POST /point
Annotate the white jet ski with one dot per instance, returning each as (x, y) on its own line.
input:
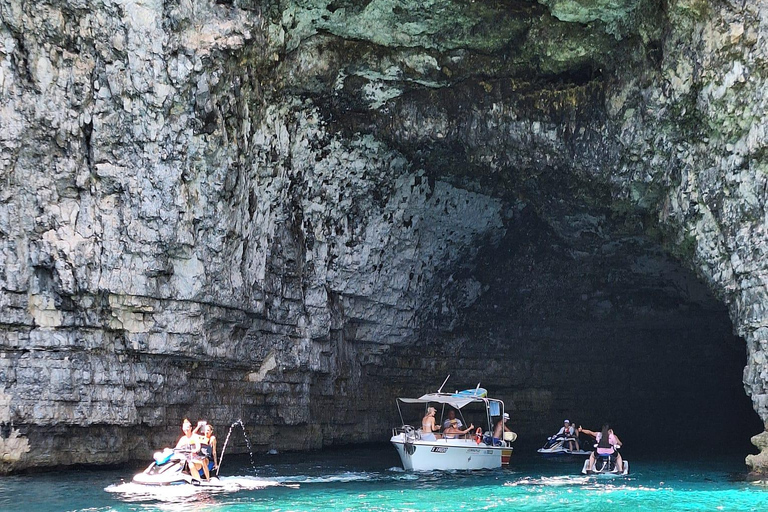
(558, 446)
(171, 467)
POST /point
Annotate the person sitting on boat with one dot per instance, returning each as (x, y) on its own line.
(189, 443)
(453, 431)
(607, 444)
(570, 434)
(208, 448)
(498, 431)
(428, 426)
(450, 419)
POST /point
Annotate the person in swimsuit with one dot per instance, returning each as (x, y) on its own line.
(607, 444)
(454, 431)
(208, 448)
(498, 431)
(428, 426)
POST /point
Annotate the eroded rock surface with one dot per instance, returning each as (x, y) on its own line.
(237, 209)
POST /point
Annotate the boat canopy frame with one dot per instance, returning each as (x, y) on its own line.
(455, 400)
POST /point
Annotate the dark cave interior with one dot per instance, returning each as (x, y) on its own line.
(614, 330)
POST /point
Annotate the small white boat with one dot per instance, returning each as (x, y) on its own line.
(475, 450)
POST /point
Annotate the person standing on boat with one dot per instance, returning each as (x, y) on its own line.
(607, 444)
(451, 418)
(428, 426)
(501, 427)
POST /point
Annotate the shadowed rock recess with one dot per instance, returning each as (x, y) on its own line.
(291, 212)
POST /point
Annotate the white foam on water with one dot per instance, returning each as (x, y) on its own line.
(137, 492)
(346, 476)
(159, 492)
(402, 474)
(610, 488)
(552, 481)
(236, 483)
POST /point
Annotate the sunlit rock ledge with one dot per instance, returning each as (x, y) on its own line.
(270, 211)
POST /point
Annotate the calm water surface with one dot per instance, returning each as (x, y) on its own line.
(370, 479)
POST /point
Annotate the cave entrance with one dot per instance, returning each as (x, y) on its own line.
(607, 330)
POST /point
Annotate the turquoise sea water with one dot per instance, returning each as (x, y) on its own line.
(370, 479)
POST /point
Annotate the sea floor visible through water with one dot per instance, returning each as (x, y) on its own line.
(370, 478)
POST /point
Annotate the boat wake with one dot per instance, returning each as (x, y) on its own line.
(585, 482)
(551, 481)
(133, 491)
(343, 477)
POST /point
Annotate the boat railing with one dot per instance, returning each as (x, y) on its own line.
(408, 430)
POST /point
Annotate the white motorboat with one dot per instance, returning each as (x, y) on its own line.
(475, 450)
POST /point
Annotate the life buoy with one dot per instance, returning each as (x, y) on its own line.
(479, 435)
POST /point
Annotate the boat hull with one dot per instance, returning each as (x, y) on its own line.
(449, 454)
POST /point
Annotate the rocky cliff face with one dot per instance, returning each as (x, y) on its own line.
(288, 212)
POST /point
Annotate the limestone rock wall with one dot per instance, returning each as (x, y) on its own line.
(157, 261)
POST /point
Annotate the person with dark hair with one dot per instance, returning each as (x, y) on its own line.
(208, 448)
(450, 419)
(607, 444)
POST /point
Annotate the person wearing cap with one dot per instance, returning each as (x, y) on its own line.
(450, 418)
(569, 432)
(501, 427)
(428, 426)
(453, 431)
(566, 430)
